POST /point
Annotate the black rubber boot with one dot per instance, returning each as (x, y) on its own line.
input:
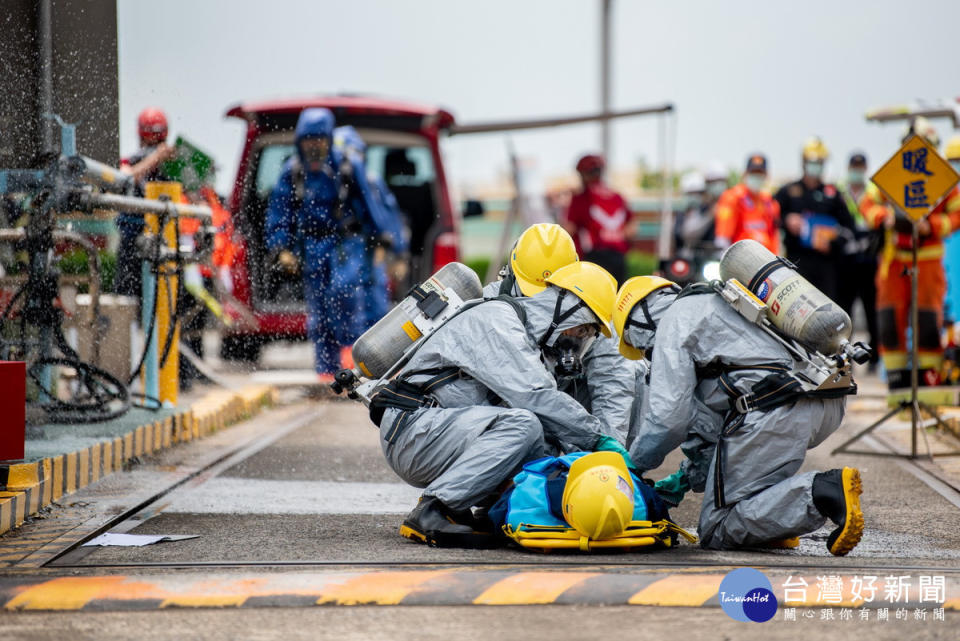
(433, 523)
(836, 494)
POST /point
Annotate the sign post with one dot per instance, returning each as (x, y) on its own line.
(914, 181)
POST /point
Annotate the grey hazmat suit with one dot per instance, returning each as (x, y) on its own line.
(501, 411)
(610, 385)
(757, 498)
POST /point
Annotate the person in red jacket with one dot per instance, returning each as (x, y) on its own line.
(599, 220)
(747, 211)
(893, 278)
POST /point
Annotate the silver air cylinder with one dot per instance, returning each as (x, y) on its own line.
(794, 306)
(384, 344)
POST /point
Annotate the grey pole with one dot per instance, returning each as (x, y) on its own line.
(605, 77)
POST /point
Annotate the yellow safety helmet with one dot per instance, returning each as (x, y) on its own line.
(923, 128)
(598, 496)
(541, 250)
(632, 292)
(592, 284)
(953, 148)
(814, 149)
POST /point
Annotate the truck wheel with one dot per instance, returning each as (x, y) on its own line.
(240, 348)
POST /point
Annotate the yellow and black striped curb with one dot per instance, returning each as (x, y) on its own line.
(414, 587)
(27, 487)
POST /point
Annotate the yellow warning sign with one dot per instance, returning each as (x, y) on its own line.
(916, 178)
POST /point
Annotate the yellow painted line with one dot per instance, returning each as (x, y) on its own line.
(531, 587)
(118, 447)
(22, 475)
(95, 453)
(47, 482)
(84, 467)
(19, 502)
(71, 473)
(138, 441)
(381, 588)
(57, 477)
(67, 593)
(34, 495)
(205, 601)
(679, 590)
(6, 509)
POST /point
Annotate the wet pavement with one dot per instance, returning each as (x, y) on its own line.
(302, 494)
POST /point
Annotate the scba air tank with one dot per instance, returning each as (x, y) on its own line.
(427, 307)
(794, 306)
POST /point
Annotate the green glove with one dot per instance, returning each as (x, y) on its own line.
(672, 488)
(610, 444)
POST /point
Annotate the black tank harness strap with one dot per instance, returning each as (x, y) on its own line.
(764, 272)
(777, 388)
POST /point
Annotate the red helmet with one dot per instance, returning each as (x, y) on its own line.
(590, 162)
(152, 125)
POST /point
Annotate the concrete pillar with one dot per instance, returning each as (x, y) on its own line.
(78, 41)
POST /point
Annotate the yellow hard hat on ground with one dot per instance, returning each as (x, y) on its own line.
(923, 128)
(592, 284)
(953, 149)
(632, 292)
(541, 250)
(598, 496)
(814, 149)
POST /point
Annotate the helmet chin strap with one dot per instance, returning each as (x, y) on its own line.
(559, 318)
(648, 322)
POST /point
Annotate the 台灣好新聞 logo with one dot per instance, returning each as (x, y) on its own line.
(746, 594)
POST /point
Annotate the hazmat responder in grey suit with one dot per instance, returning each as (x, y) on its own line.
(705, 356)
(602, 381)
(475, 402)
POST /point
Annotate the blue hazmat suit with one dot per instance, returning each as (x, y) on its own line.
(320, 216)
(384, 227)
(761, 496)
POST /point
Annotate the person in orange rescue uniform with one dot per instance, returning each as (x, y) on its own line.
(746, 210)
(893, 277)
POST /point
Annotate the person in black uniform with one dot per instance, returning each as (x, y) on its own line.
(816, 221)
(860, 268)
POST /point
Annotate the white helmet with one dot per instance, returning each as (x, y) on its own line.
(693, 183)
(716, 171)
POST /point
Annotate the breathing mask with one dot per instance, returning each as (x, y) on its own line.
(565, 356)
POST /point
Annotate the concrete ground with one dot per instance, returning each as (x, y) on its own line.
(298, 507)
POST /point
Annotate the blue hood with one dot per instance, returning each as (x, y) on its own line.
(315, 122)
(346, 137)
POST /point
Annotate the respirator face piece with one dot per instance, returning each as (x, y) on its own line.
(565, 356)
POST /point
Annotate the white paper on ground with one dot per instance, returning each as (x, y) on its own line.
(135, 540)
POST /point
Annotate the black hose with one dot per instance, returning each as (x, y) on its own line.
(101, 395)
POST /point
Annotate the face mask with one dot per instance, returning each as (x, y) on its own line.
(813, 168)
(694, 201)
(566, 354)
(856, 176)
(715, 189)
(754, 182)
(956, 165)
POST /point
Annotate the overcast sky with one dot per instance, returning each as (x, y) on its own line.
(744, 75)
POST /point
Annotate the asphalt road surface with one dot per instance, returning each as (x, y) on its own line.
(297, 508)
